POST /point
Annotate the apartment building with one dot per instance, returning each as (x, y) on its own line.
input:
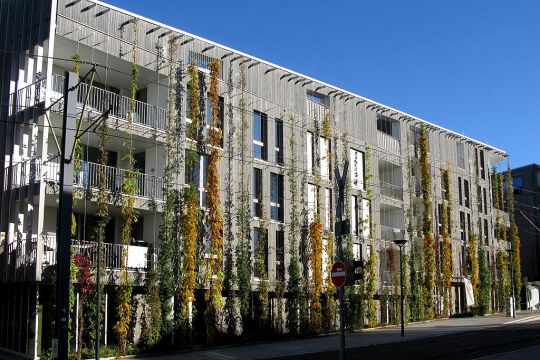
(526, 181)
(40, 40)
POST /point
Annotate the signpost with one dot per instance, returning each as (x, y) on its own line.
(339, 274)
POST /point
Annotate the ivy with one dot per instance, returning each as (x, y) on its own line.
(415, 275)
(262, 313)
(189, 226)
(84, 287)
(124, 290)
(447, 244)
(230, 279)
(243, 244)
(503, 280)
(484, 281)
(429, 252)
(370, 276)
(292, 307)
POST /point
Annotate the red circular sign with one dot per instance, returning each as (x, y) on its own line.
(339, 274)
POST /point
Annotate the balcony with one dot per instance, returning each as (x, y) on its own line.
(316, 111)
(391, 191)
(31, 170)
(388, 143)
(27, 97)
(144, 115)
(137, 256)
(21, 259)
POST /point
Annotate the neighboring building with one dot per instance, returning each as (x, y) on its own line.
(39, 40)
(527, 215)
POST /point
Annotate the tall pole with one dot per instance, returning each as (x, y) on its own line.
(402, 296)
(65, 204)
(340, 180)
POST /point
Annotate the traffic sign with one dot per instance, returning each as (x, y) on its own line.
(339, 274)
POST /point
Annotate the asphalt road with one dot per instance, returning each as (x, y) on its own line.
(516, 341)
(494, 337)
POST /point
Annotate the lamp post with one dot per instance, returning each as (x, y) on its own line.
(401, 243)
(101, 221)
(513, 309)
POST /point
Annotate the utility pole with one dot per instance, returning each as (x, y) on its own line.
(63, 232)
(341, 228)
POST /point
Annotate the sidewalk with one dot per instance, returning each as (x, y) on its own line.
(353, 340)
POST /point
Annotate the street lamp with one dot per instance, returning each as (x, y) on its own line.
(101, 221)
(401, 243)
(513, 309)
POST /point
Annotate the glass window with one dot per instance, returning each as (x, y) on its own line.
(312, 202)
(518, 182)
(467, 193)
(460, 193)
(276, 197)
(309, 152)
(357, 251)
(460, 155)
(257, 192)
(280, 255)
(279, 142)
(384, 124)
(354, 215)
(327, 208)
(258, 234)
(357, 169)
(259, 129)
(324, 150)
(462, 224)
(195, 173)
(366, 225)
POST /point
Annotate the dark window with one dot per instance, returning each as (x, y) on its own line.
(485, 201)
(260, 131)
(460, 149)
(276, 197)
(467, 193)
(279, 142)
(469, 227)
(257, 192)
(280, 255)
(258, 233)
(482, 165)
(518, 182)
(460, 193)
(195, 173)
(486, 232)
(462, 224)
(479, 196)
(439, 218)
(384, 125)
(355, 215)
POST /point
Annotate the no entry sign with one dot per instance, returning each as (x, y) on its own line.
(339, 274)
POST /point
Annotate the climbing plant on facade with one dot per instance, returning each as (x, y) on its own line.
(447, 244)
(484, 281)
(429, 253)
(129, 188)
(292, 306)
(214, 215)
(243, 243)
(229, 276)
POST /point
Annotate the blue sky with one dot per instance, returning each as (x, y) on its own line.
(471, 66)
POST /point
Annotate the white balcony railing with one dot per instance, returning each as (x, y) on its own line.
(137, 256)
(388, 143)
(30, 171)
(28, 96)
(100, 100)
